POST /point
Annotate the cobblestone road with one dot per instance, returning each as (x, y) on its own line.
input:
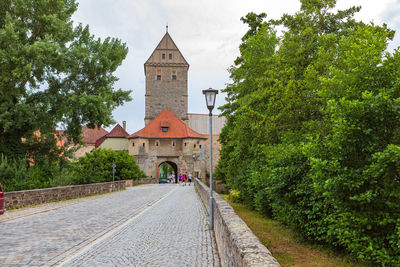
(154, 225)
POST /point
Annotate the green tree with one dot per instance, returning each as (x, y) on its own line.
(96, 167)
(165, 170)
(52, 73)
(312, 134)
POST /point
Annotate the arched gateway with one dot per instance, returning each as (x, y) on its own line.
(173, 166)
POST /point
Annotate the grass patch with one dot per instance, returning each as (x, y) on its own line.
(285, 246)
(138, 184)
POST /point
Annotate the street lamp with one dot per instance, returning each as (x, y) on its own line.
(210, 95)
(194, 162)
(113, 171)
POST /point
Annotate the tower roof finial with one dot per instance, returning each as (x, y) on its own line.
(167, 27)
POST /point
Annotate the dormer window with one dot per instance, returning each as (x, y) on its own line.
(170, 56)
(164, 126)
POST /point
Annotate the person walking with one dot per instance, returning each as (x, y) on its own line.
(184, 179)
(190, 178)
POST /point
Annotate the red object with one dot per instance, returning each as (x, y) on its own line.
(1, 200)
(90, 136)
(175, 128)
(117, 132)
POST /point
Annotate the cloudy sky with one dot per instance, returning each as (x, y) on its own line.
(207, 32)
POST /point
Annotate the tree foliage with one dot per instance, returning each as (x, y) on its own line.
(96, 167)
(52, 73)
(17, 174)
(312, 133)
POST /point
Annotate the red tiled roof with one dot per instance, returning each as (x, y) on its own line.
(176, 128)
(116, 132)
(90, 136)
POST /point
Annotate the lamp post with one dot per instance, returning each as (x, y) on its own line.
(210, 95)
(194, 162)
(113, 171)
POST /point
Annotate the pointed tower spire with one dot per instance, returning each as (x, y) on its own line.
(166, 73)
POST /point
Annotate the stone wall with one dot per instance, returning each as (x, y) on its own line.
(237, 245)
(147, 180)
(31, 197)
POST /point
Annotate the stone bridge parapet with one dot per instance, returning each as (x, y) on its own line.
(237, 245)
(36, 196)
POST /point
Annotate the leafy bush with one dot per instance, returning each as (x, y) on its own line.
(18, 174)
(234, 195)
(96, 167)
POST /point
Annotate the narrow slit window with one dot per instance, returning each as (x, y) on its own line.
(143, 144)
(174, 75)
(158, 75)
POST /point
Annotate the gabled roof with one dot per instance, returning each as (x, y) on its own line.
(176, 128)
(116, 132)
(90, 136)
(166, 46)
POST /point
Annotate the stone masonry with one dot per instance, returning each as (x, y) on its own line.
(237, 245)
(140, 226)
(166, 81)
(31, 197)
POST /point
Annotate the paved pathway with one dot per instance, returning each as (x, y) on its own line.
(154, 225)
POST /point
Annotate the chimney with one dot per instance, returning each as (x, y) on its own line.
(124, 125)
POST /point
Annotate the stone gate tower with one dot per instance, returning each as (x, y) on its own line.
(166, 81)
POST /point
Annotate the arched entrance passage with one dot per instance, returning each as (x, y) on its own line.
(161, 169)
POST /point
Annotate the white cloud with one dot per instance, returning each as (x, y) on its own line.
(207, 32)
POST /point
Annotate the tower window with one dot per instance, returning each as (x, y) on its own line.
(200, 146)
(173, 143)
(170, 56)
(174, 75)
(163, 56)
(156, 143)
(143, 144)
(194, 145)
(159, 75)
(185, 144)
(133, 144)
